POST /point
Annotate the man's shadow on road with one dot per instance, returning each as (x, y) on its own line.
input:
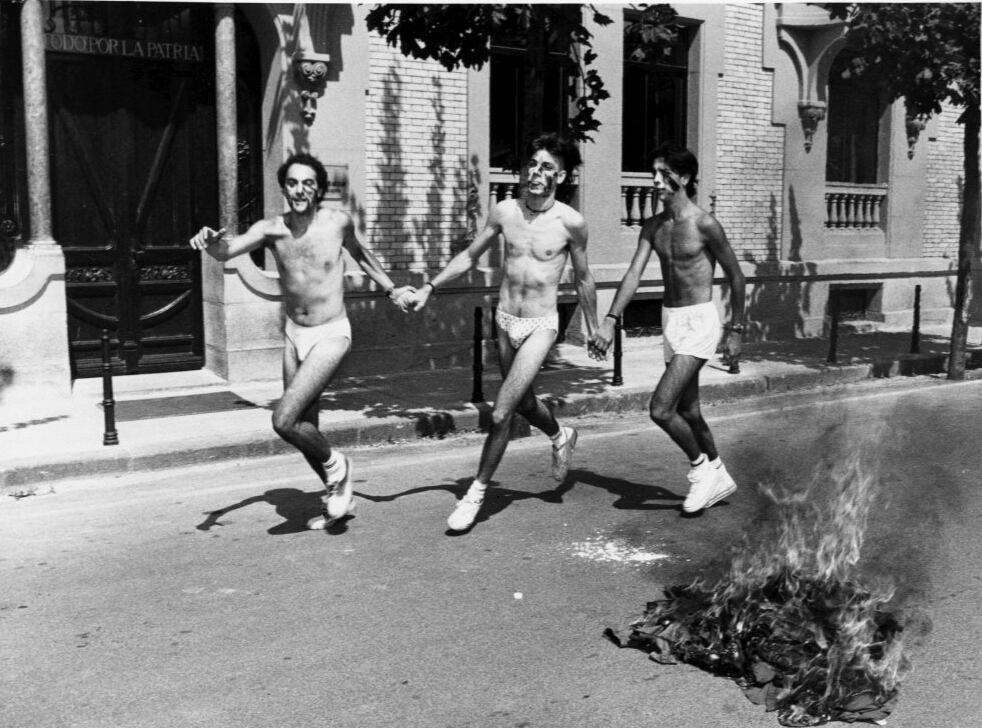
(634, 496)
(294, 506)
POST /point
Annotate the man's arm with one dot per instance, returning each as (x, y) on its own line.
(463, 261)
(369, 263)
(720, 248)
(625, 291)
(221, 248)
(586, 287)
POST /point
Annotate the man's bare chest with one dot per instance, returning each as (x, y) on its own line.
(678, 242)
(316, 248)
(541, 240)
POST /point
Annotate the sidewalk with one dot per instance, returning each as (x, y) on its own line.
(166, 420)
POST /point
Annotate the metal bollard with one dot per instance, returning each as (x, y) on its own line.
(618, 379)
(109, 437)
(915, 334)
(477, 395)
(833, 332)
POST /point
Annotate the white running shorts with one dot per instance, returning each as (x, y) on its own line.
(692, 330)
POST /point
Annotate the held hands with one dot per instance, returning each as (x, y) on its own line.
(205, 237)
(402, 297)
(419, 297)
(599, 343)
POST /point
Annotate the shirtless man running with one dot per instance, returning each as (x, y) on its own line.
(539, 233)
(306, 243)
(689, 242)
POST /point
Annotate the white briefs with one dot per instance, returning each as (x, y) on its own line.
(304, 338)
(693, 330)
(519, 328)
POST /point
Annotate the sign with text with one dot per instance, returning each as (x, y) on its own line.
(124, 47)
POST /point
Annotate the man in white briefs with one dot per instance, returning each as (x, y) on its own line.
(689, 242)
(306, 243)
(539, 234)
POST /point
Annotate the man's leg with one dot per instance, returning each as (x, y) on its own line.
(519, 369)
(680, 372)
(675, 408)
(690, 410)
(723, 483)
(295, 418)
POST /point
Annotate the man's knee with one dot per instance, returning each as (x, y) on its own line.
(284, 423)
(501, 418)
(660, 412)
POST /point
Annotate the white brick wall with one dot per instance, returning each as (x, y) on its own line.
(416, 159)
(749, 148)
(945, 178)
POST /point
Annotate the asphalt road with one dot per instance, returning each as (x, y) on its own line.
(132, 603)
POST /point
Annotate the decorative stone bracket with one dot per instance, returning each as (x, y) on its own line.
(915, 125)
(812, 40)
(810, 113)
(310, 74)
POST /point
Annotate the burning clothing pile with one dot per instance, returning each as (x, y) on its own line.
(788, 622)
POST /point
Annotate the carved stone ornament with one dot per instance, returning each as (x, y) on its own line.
(310, 73)
(915, 125)
(811, 113)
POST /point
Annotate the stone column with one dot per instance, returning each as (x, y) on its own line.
(36, 123)
(33, 306)
(227, 122)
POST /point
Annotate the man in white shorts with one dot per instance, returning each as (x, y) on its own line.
(689, 242)
(538, 234)
(306, 243)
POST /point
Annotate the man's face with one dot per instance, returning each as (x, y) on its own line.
(667, 182)
(545, 173)
(300, 188)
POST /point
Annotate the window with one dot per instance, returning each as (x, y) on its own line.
(655, 97)
(854, 109)
(508, 97)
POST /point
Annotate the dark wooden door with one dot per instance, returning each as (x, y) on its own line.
(133, 176)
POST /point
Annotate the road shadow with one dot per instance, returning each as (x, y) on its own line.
(294, 506)
(631, 495)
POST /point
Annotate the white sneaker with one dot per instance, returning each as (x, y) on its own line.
(339, 494)
(464, 514)
(562, 456)
(324, 520)
(727, 484)
(707, 487)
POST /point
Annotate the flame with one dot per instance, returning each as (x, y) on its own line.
(790, 620)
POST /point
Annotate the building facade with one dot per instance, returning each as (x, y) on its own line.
(126, 127)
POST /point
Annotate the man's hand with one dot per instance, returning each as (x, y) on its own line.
(205, 237)
(402, 297)
(600, 342)
(732, 344)
(419, 297)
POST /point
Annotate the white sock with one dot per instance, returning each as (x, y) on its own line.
(698, 461)
(335, 467)
(559, 439)
(476, 491)
(717, 463)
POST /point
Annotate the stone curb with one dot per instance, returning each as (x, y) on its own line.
(26, 477)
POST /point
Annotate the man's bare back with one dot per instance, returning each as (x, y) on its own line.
(536, 246)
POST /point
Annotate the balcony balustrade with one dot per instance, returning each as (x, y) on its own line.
(854, 207)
